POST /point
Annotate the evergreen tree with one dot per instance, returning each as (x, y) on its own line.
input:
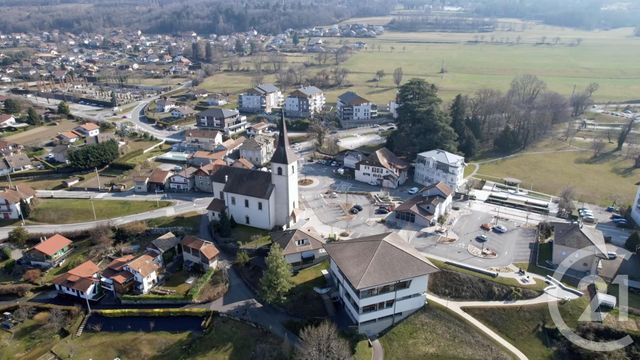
(458, 112)
(507, 141)
(296, 38)
(208, 52)
(276, 279)
(239, 47)
(633, 242)
(114, 99)
(63, 108)
(33, 118)
(18, 236)
(25, 208)
(12, 106)
(224, 226)
(195, 51)
(96, 155)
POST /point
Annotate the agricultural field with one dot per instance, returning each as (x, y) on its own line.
(604, 57)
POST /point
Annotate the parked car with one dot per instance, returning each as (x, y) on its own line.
(500, 229)
(613, 209)
(611, 255)
(486, 227)
(616, 216)
(482, 238)
(620, 220)
(382, 211)
(354, 211)
(334, 164)
(359, 207)
(589, 219)
(413, 190)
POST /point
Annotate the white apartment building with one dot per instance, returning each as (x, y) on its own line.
(304, 102)
(262, 98)
(354, 110)
(380, 280)
(439, 165)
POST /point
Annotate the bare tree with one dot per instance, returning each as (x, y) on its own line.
(566, 199)
(397, 76)
(322, 342)
(23, 313)
(624, 133)
(340, 75)
(597, 146)
(319, 132)
(57, 320)
(581, 100)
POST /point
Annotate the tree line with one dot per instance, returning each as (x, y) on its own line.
(487, 120)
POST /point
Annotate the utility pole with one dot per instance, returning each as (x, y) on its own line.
(95, 218)
(98, 175)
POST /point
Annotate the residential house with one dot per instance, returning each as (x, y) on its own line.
(202, 176)
(439, 165)
(230, 146)
(380, 280)
(68, 137)
(18, 162)
(145, 272)
(243, 163)
(158, 180)
(167, 247)
(262, 98)
(425, 208)
(226, 120)
(7, 148)
(87, 129)
(258, 128)
(140, 184)
(182, 181)
(215, 101)
(198, 252)
(7, 120)
(82, 281)
(59, 154)
(258, 149)
(215, 209)
(201, 158)
(10, 199)
(182, 112)
(116, 278)
(304, 102)
(50, 252)
(300, 247)
(164, 105)
(580, 245)
(202, 139)
(382, 168)
(352, 158)
(354, 110)
(258, 198)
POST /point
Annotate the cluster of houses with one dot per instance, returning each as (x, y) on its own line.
(85, 134)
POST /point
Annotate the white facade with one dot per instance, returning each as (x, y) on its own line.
(91, 292)
(143, 283)
(247, 210)
(374, 313)
(285, 179)
(196, 258)
(180, 183)
(439, 165)
(374, 175)
(303, 103)
(635, 207)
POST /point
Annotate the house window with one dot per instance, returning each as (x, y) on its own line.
(221, 195)
(246, 220)
(279, 171)
(246, 203)
(259, 205)
(233, 200)
(301, 242)
(293, 169)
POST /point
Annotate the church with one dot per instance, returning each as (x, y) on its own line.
(260, 199)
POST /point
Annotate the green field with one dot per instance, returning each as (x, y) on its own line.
(66, 211)
(434, 333)
(606, 57)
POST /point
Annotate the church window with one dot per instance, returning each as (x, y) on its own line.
(279, 171)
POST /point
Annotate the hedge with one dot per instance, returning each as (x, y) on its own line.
(154, 312)
(154, 297)
(197, 287)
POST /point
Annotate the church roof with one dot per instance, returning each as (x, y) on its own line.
(283, 154)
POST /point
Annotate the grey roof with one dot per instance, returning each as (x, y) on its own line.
(257, 142)
(59, 149)
(219, 113)
(378, 260)
(351, 98)
(444, 157)
(17, 160)
(166, 242)
(283, 154)
(309, 90)
(287, 240)
(578, 236)
(243, 181)
(268, 88)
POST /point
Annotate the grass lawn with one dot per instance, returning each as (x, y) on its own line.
(30, 339)
(363, 351)
(190, 220)
(302, 300)
(525, 326)
(65, 211)
(611, 177)
(125, 345)
(249, 237)
(177, 283)
(435, 333)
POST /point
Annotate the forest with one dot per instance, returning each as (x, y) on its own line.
(173, 16)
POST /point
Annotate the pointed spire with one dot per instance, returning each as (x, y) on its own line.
(283, 153)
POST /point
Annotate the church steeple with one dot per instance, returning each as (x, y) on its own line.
(283, 154)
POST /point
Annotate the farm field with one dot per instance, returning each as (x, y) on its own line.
(604, 57)
(65, 211)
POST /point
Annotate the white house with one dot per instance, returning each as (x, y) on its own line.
(10, 200)
(258, 149)
(7, 120)
(439, 165)
(635, 207)
(145, 272)
(352, 158)
(262, 98)
(88, 129)
(304, 102)
(182, 112)
(196, 251)
(570, 239)
(82, 281)
(258, 198)
(382, 168)
(354, 110)
(202, 139)
(300, 247)
(380, 280)
(227, 120)
(424, 208)
(182, 181)
(164, 105)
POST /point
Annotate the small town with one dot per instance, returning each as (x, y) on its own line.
(417, 179)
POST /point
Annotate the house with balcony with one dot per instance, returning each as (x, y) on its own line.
(425, 208)
(304, 102)
(579, 246)
(11, 198)
(301, 247)
(202, 139)
(115, 278)
(354, 110)
(49, 252)
(87, 129)
(258, 149)
(439, 165)
(382, 168)
(145, 270)
(262, 98)
(379, 280)
(198, 252)
(82, 281)
(228, 121)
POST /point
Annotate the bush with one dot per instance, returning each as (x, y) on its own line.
(130, 230)
(32, 276)
(97, 155)
(15, 289)
(633, 242)
(18, 236)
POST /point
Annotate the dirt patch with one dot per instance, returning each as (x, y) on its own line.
(457, 286)
(305, 182)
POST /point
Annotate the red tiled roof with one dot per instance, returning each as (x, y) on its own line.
(53, 244)
(79, 278)
(206, 248)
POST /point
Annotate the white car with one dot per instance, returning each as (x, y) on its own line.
(500, 229)
(413, 190)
